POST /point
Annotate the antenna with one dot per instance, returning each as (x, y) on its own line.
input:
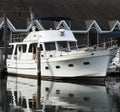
(31, 18)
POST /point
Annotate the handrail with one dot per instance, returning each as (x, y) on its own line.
(101, 46)
(66, 51)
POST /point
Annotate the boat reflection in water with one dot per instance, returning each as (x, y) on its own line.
(61, 96)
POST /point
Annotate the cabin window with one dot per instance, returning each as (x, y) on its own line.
(72, 45)
(22, 48)
(19, 48)
(50, 46)
(70, 65)
(32, 48)
(41, 47)
(86, 63)
(46, 68)
(58, 67)
(15, 50)
(62, 46)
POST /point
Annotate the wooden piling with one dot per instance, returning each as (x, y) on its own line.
(1, 60)
(5, 38)
(38, 78)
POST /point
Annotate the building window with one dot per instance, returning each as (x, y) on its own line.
(93, 39)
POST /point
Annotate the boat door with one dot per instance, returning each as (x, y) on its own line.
(21, 51)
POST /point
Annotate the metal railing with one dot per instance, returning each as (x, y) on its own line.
(18, 37)
(66, 51)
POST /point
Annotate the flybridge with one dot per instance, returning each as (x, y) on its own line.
(50, 36)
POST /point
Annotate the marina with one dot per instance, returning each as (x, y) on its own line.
(59, 56)
(49, 72)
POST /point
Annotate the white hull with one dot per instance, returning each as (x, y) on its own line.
(76, 65)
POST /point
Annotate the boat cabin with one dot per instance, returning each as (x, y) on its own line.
(52, 43)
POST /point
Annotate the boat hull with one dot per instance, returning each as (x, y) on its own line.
(90, 64)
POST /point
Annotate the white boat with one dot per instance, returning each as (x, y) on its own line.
(114, 66)
(60, 56)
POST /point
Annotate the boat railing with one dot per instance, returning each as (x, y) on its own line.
(18, 37)
(75, 50)
(102, 46)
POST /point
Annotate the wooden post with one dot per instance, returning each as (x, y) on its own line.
(1, 63)
(38, 77)
(5, 39)
(1, 60)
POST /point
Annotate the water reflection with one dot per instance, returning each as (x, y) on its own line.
(61, 96)
(3, 94)
(113, 92)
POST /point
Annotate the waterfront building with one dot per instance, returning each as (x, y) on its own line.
(95, 20)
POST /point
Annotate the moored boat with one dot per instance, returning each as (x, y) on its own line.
(114, 66)
(60, 56)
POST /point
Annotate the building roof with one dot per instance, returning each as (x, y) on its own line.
(80, 12)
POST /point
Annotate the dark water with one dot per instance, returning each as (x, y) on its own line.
(21, 95)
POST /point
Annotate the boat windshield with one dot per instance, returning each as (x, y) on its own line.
(50, 46)
(73, 46)
(62, 46)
